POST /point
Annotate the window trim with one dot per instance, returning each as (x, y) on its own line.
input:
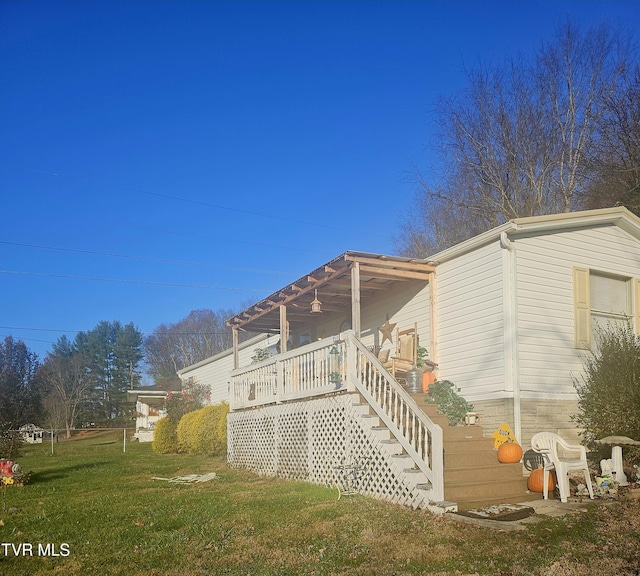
(582, 311)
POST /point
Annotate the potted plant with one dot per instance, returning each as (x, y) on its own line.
(450, 403)
(427, 367)
(259, 355)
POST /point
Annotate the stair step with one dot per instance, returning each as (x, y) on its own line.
(475, 504)
(469, 458)
(381, 433)
(370, 420)
(458, 445)
(361, 408)
(493, 472)
(490, 490)
(414, 476)
(392, 446)
(463, 433)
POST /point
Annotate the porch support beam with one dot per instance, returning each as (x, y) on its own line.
(355, 298)
(284, 329)
(391, 264)
(234, 332)
(394, 274)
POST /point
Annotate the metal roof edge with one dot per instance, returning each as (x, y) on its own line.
(617, 216)
(470, 244)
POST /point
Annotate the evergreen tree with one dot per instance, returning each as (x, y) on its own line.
(20, 393)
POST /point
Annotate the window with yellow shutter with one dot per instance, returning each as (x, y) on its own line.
(600, 301)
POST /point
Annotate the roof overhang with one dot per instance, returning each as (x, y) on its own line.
(377, 273)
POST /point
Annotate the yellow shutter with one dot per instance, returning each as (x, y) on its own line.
(581, 308)
(636, 304)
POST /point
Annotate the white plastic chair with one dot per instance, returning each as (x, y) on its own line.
(562, 457)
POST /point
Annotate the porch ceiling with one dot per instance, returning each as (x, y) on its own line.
(378, 273)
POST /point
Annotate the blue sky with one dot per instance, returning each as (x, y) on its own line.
(158, 157)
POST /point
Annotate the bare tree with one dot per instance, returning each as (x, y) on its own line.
(69, 383)
(171, 347)
(518, 140)
(617, 157)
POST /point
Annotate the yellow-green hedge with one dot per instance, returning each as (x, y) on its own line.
(187, 432)
(204, 431)
(165, 440)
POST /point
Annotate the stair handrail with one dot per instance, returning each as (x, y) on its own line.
(418, 435)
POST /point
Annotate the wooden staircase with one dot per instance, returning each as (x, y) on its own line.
(473, 477)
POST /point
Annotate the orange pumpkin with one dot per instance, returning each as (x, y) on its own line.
(509, 452)
(536, 479)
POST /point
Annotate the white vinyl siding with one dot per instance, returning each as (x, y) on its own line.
(548, 358)
(405, 306)
(471, 331)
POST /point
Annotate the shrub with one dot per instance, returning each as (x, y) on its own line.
(165, 440)
(204, 431)
(192, 397)
(212, 430)
(10, 444)
(187, 432)
(609, 389)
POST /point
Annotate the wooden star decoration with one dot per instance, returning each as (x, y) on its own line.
(387, 331)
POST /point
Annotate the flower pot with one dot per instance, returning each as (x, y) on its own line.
(428, 378)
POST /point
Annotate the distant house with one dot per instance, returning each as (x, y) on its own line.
(31, 433)
(507, 317)
(150, 407)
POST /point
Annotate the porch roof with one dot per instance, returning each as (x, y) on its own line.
(377, 273)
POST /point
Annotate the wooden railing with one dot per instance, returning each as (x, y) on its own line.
(420, 437)
(345, 365)
(313, 370)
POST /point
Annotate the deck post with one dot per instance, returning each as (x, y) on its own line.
(284, 329)
(355, 298)
(236, 361)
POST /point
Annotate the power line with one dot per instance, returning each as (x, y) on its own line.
(123, 281)
(145, 258)
(211, 205)
(78, 331)
(261, 215)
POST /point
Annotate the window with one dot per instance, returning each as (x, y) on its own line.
(601, 300)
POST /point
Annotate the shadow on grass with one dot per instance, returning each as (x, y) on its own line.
(57, 473)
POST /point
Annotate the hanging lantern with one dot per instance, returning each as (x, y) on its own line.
(316, 305)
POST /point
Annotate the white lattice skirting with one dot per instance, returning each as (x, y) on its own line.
(311, 440)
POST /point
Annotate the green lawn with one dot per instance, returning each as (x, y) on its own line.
(103, 513)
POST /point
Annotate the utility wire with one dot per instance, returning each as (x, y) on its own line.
(146, 258)
(118, 280)
(216, 206)
(78, 331)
